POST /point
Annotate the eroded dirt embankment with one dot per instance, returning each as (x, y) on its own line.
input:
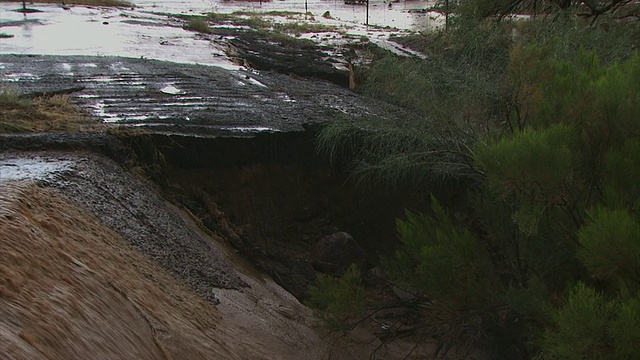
(94, 261)
(95, 264)
(72, 288)
(273, 197)
(86, 273)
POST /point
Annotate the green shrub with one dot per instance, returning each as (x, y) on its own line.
(581, 331)
(546, 118)
(441, 259)
(611, 247)
(199, 24)
(338, 299)
(591, 326)
(625, 330)
(536, 163)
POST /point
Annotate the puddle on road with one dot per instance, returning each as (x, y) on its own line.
(249, 129)
(35, 169)
(102, 32)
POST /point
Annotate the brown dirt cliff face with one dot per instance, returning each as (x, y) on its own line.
(71, 288)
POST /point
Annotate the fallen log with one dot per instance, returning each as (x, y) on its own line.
(50, 93)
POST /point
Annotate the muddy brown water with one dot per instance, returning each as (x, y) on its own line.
(146, 31)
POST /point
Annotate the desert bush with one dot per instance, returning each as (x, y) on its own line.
(339, 300)
(199, 24)
(592, 326)
(433, 245)
(552, 143)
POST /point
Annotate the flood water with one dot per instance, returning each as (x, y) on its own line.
(135, 91)
(147, 32)
(35, 168)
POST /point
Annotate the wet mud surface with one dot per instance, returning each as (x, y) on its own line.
(190, 99)
(298, 58)
(89, 245)
(129, 207)
(73, 287)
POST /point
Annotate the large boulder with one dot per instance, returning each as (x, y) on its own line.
(333, 254)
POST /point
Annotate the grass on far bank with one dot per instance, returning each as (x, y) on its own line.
(53, 113)
(257, 21)
(261, 21)
(199, 24)
(116, 3)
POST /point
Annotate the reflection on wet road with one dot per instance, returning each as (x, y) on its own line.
(146, 31)
(191, 99)
(105, 32)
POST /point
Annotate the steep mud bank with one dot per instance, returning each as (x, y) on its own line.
(72, 288)
(95, 264)
(273, 197)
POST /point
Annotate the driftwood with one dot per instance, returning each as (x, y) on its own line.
(50, 93)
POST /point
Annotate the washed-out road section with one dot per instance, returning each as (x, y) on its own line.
(189, 99)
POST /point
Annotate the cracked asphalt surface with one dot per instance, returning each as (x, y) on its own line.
(190, 99)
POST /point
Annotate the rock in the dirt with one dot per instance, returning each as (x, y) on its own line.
(333, 254)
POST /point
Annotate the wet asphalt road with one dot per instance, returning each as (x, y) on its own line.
(190, 99)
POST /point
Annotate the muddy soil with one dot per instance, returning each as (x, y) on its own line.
(90, 252)
(301, 58)
(95, 263)
(143, 219)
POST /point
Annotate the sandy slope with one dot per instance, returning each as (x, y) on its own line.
(72, 288)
